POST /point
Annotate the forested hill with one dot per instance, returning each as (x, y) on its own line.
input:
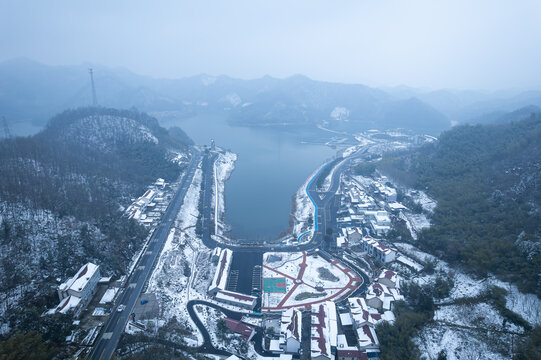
(487, 182)
(86, 148)
(61, 198)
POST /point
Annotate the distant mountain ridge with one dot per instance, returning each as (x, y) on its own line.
(32, 92)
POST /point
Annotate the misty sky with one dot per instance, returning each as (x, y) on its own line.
(490, 44)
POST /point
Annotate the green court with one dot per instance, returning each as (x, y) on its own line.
(274, 285)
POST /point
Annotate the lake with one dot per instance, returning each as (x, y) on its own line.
(272, 164)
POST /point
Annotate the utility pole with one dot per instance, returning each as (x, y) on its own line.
(7, 132)
(94, 99)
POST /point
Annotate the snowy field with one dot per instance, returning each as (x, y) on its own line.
(479, 315)
(229, 341)
(461, 344)
(448, 331)
(304, 209)
(422, 198)
(183, 270)
(414, 222)
(289, 267)
(224, 166)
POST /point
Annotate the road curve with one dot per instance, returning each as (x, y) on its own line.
(207, 347)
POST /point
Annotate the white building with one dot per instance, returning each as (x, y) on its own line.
(381, 297)
(236, 299)
(77, 291)
(219, 281)
(389, 278)
(362, 314)
(291, 331)
(368, 341)
(379, 222)
(323, 331)
(388, 193)
(378, 250)
(352, 234)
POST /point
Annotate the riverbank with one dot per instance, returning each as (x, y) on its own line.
(223, 168)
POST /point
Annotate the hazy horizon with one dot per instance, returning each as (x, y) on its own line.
(420, 89)
(486, 45)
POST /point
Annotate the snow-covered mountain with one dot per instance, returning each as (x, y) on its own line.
(61, 197)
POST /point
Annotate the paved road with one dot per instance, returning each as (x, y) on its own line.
(114, 327)
(207, 347)
(324, 214)
(108, 340)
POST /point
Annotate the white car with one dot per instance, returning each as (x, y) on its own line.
(121, 307)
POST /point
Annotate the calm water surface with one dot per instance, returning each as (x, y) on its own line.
(271, 166)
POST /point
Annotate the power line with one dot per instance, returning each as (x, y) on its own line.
(7, 132)
(94, 98)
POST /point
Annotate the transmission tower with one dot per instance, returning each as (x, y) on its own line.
(94, 99)
(7, 132)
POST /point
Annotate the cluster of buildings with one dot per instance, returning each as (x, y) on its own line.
(289, 341)
(147, 209)
(77, 292)
(342, 332)
(365, 217)
(351, 236)
(362, 209)
(218, 287)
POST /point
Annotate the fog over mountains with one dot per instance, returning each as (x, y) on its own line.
(32, 92)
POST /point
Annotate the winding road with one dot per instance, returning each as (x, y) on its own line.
(324, 219)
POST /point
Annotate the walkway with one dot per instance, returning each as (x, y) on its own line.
(354, 282)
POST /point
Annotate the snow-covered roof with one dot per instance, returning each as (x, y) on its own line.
(220, 276)
(381, 216)
(105, 279)
(217, 251)
(67, 304)
(341, 241)
(108, 296)
(236, 297)
(320, 333)
(385, 294)
(388, 316)
(333, 323)
(148, 195)
(240, 328)
(389, 275)
(275, 345)
(345, 319)
(377, 290)
(291, 324)
(366, 335)
(361, 313)
(377, 245)
(396, 206)
(83, 276)
(80, 279)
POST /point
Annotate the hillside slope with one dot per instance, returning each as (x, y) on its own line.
(62, 192)
(487, 183)
(31, 92)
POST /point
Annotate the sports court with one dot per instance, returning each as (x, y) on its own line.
(274, 285)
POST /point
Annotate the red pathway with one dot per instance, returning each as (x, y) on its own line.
(353, 283)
